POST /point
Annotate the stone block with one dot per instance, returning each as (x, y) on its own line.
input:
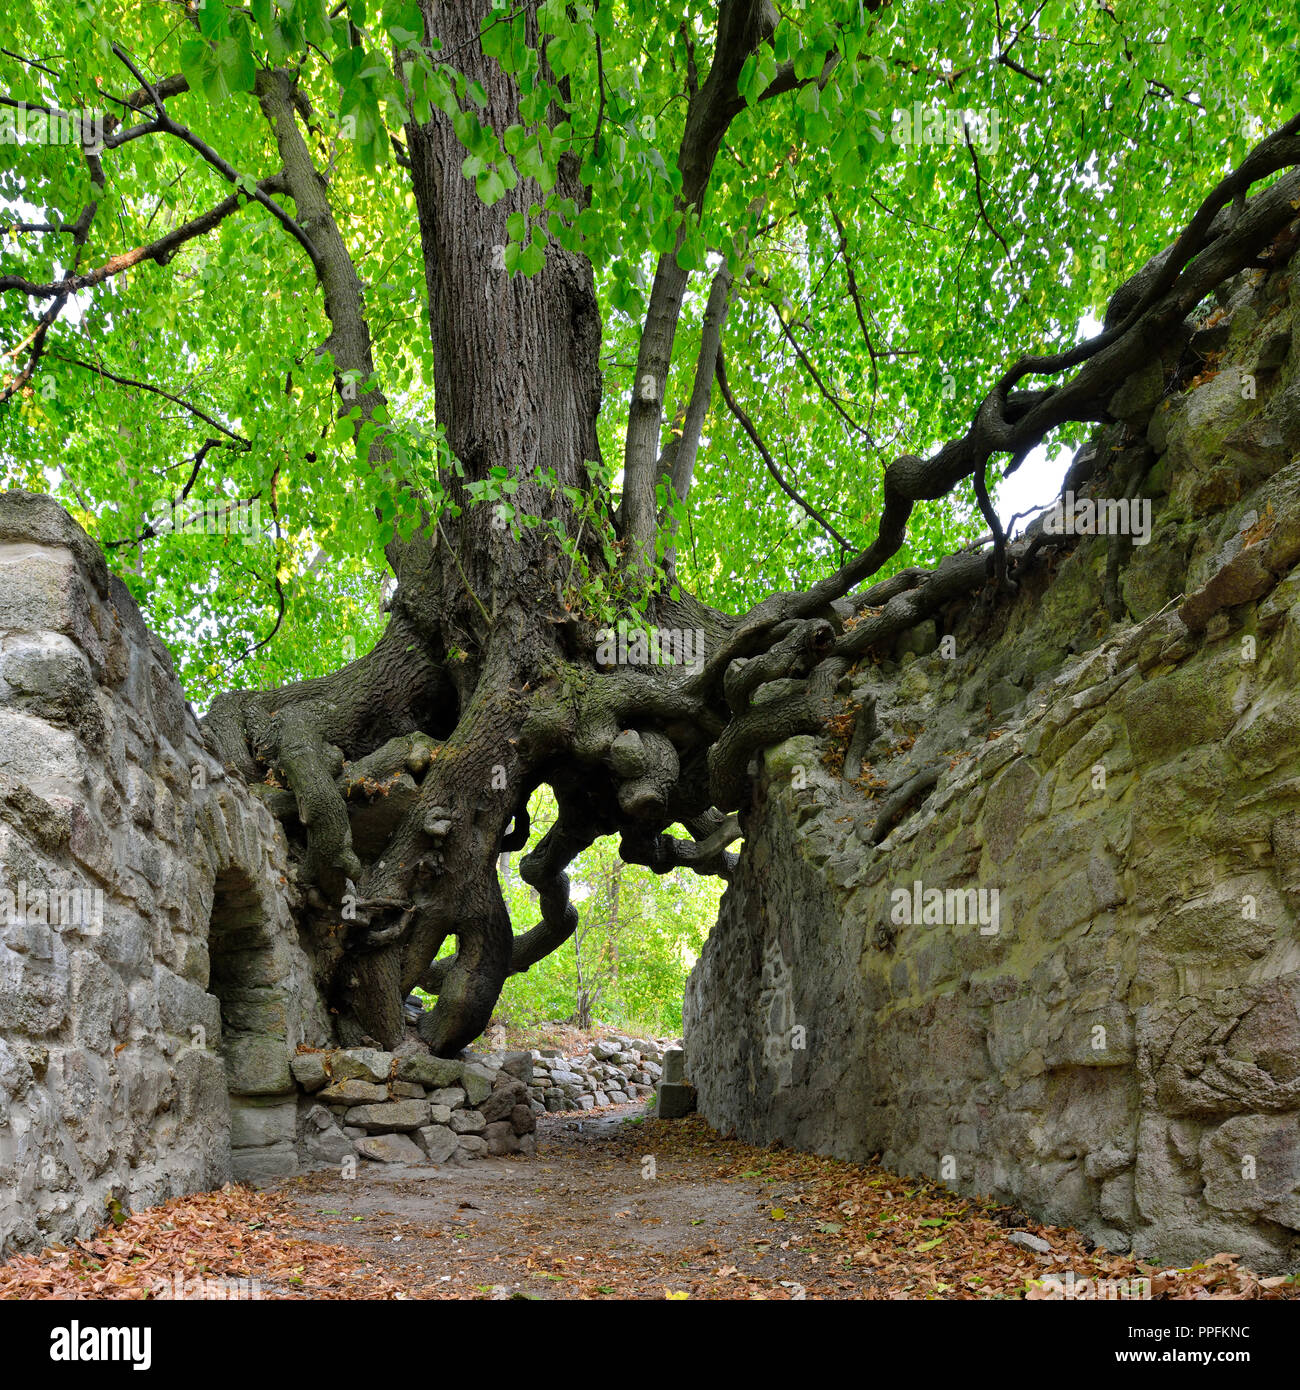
(363, 1064)
(389, 1148)
(256, 1066)
(477, 1083)
(263, 1165)
(254, 1125)
(330, 1146)
(501, 1138)
(433, 1072)
(393, 1115)
(518, 1065)
(503, 1099)
(354, 1092)
(309, 1070)
(675, 1099)
(438, 1142)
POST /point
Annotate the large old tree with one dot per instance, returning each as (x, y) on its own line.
(579, 316)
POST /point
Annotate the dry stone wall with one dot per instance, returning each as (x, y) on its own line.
(407, 1106)
(152, 988)
(1069, 975)
(160, 1029)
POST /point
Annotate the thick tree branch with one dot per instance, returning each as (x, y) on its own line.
(1217, 243)
(742, 26)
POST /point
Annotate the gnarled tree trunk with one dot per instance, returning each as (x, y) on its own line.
(403, 777)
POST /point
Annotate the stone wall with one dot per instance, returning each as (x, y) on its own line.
(407, 1106)
(613, 1071)
(152, 988)
(1117, 1046)
(160, 1030)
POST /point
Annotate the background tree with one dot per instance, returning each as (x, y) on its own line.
(638, 935)
(451, 284)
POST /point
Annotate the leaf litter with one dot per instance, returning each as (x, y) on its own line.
(720, 1220)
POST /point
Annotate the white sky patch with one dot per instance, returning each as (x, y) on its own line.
(1035, 485)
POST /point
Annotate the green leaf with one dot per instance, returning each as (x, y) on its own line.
(490, 187)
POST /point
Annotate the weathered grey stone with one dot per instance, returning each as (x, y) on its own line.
(254, 1124)
(518, 1064)
(472, 1146)
(433, 1072)
(264, 1165)
(389, 1148)
(522, 1119)
(309, 1070)
(467, 1121)
(353, 1092)
(392, 1115)
(256, 1010)
(675, 1099)
(255, 1065)
(477, 1083)
(330, 1146)
(501, 1138)
(453, 1097)
(503, 1099)
(363, 1063)
(438, 1142)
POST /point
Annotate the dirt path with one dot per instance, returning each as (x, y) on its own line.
(616, 1205)
(613, 1205)
(603, 1209)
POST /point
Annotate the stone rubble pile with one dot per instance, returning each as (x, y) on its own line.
(614, 1071)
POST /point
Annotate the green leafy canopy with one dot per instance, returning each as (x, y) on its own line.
(904, 273)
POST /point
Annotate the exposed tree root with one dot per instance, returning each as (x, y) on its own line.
(404, 776)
